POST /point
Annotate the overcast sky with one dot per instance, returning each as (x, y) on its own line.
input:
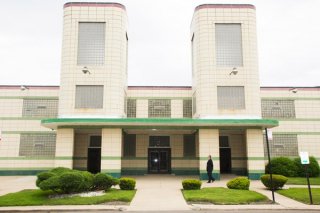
(159, 42)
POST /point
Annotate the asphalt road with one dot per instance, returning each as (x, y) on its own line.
(202, 211)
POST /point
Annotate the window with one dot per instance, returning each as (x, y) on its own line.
(89, 96)
(228, 45)
(223, 141)
(159, 141)
(285, 145)
(37, 145)
(189, 145)
(278, 109)
(95, 141)
(159, 108)
(187, 108)
(231, 97)
(131, 108)
(194, 104)
(40, 108)
(129, 145)
(91, 43)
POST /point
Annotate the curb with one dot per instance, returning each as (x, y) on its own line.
(80, 208)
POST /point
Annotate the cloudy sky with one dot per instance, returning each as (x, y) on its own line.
(159, 43)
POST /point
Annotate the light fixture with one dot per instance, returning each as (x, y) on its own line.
(293, 90)
(234, 71)
(22, 88)
(85, 70)
(153, 129)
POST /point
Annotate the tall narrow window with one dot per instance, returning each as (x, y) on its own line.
(231, 97)
(194, 103)
(189, 145)
(131, 108)
(91, 43)
(89, 96)
(187, 108)
(228, 45)
(129, 145)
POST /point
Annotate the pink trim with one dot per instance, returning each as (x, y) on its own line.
(18, 87)
(289, 88)
(232, 6)
(159, 87)
(93, 4)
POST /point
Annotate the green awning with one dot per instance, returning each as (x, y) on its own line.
(167, 123)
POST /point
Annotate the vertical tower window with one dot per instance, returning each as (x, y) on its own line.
(187, 108)
(89, 96)
(231, 97)
(228, 45)
(91, 43)
(131, 108)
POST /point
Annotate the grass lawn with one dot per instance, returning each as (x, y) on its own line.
(302, 194)
(219, 195)
(303, 181)
(36, 197)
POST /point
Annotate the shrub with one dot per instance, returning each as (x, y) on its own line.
(104, 182)
(60, 170)
(283, 166)
(278, 181)
(87, 183)
(127, 183)
(191, 184)
(53, 183)
(313, 168)
(70, 182)
(42, 176)
(239, 183)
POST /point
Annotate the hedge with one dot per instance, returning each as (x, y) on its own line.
(278, 181)
(127, 183)
(242, 183)
(282, 166)
(191, 184)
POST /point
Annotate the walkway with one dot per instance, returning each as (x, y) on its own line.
(10, 184)
(159, 192)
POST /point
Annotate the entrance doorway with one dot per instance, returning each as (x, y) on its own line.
(159, 160)
(225, 160)
(94, 154)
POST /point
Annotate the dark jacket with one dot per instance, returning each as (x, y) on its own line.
(209, 165)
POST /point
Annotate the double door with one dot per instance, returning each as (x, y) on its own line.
(159, 160)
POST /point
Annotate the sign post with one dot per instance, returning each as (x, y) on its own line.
(269, 137)
(304, 157)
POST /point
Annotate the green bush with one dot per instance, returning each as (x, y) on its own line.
(239, 183)
(191, 184)
(53, 183)
(61, 170)
(278, 181)
(42, 176)
(283, 166)
(313, 167)
(70, 182)
(127, 183)
(104, 182)
(87, 183)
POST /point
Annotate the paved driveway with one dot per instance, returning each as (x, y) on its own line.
(10, 184)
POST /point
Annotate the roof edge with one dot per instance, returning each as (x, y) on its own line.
(94, 4)
(231, 6)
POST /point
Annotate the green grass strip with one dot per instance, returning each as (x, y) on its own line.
(301, 194)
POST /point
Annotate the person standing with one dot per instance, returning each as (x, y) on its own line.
(210, 169)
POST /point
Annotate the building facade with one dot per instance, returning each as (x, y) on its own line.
(93, 121)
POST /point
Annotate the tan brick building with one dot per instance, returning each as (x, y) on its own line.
(95, 122)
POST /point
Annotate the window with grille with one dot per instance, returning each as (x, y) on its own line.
(91, 43)
(129, 145)
(159, 141)
(187, 108)
(223, 141)
(37, 145)
(282, 145)
(228, 45)
(189, 145)
(89, 96)
(231, 97)
(159, 108)
(40, 108)
(278, 109)
(131, 108)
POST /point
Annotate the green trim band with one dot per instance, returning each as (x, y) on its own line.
(206, 158)
(158, 122)
(110, 158)
(255, 176)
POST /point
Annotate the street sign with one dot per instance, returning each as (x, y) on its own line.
(304, 156)
(269, 131)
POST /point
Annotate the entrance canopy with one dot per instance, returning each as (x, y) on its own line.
(158, 123)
